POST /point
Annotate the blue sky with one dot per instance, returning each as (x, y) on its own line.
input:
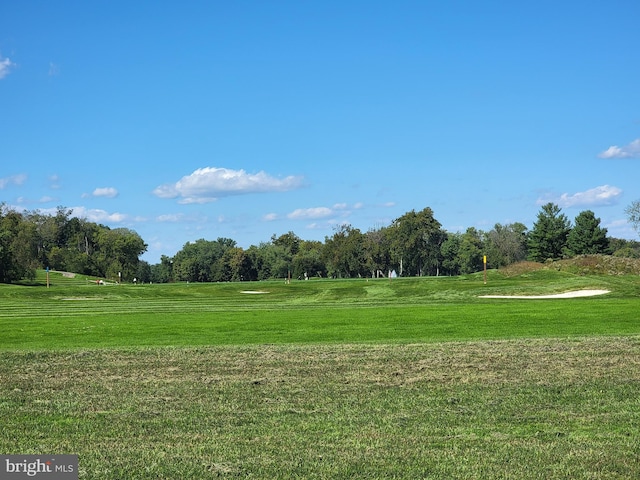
(246, 119)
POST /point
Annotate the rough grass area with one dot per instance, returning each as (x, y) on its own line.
(580, 265)
(509, 409)
(599, 265)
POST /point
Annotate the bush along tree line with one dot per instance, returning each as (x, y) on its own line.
(412, 245)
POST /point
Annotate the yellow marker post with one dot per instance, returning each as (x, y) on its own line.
(484, 261)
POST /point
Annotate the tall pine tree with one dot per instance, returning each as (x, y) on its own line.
(586, 236)
(548, 238)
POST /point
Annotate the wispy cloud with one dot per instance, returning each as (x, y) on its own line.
(54, 69)
(598, 196)
(181, 218)
(99, 216)
(316, 213)
(628, 151)
(5, 66)
(12, 180)
(310, 213)
(210, 183)
(171, 217)
(55, 181)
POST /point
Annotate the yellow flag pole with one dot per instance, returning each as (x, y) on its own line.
(484, 261)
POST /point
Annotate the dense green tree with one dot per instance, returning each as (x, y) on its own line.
(415, 243)
(344, 253)
(18, 246)
(377, 252)
(260, 267)
(470, 252)
(449, 250)
(619, 247)
(548, 238)
(118, 253)
(202, 261)
(307, 262)
(506, 244)
(162, 272)
(237, 264)
(587, 237)
(144, 272)
(289, 241)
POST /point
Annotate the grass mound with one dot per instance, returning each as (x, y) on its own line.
(598, 265)
(580, 265)
(520, 268)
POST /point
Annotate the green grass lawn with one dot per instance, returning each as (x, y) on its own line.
(414, 378)
(84, 315)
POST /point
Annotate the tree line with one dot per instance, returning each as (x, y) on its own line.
(32, 240)
(414, 244)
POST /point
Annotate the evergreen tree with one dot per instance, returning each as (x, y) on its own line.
(548, 238)
(587, 237)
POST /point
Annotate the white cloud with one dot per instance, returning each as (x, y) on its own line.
(108, 192)
(628, 151)
(5, 66)
(338, 210)
(270, 217)
(99, 216)
(210, 183)
(12, 180)
(308, 213)
(598, 196)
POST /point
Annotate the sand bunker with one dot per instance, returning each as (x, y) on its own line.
(253, 292)
(574, 294)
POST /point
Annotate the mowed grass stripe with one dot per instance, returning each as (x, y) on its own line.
(226, 326)
(405, 310)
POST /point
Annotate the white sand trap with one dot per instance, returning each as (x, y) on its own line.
(574, 294)
(253, 292)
